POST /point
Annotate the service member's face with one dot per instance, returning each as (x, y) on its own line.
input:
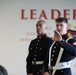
(41, 28)
(62, 27)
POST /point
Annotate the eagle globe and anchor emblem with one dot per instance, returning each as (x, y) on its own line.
(72, 32)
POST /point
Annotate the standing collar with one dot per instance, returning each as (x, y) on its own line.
(65, 36)
(42, 36)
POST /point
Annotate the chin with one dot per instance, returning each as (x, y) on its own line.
(62, 33)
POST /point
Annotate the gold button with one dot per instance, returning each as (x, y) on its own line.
(35, 51)
(54, 47)
(56, 43)
(40, 48)
(40, 70)
(36, 47)
(51, 59)
(61, 71)
(34, 58)
(37, 72)
(52, 55)
(40, 37)
(30, 48)
(37, 40)
(35, 55)
(37, 44)
(53, 50)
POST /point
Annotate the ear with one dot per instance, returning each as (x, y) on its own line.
(67, 27)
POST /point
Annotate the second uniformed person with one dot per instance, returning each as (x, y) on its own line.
(38, 49)
(62, 50)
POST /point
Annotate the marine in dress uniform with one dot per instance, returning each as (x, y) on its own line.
(38, 49)
(62, 51)
(69, 53)
(37, 54)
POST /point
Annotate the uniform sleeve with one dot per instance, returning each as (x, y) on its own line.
(69, 46)
(72, 41)
(28, 63)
